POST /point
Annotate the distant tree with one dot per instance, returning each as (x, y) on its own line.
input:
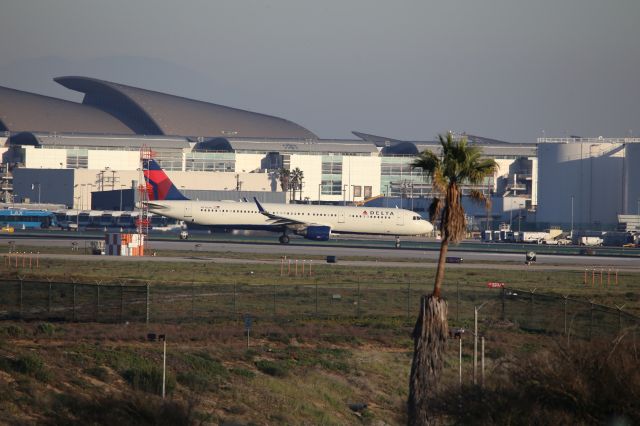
(297, 176)
(458, 163)
(284, 176)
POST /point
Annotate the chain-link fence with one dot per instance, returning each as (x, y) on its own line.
(535, 312)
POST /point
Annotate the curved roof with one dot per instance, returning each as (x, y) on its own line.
(150, 112)
(24, 111)
(337, 147)
(102, 141)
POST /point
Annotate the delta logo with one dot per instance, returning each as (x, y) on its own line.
(377, 213)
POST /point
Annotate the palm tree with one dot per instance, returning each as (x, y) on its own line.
(297, 176)
(284, 175)
(457, 164)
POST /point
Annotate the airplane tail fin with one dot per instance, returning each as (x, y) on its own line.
(159, 186)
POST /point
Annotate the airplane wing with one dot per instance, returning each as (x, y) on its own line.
(282, 220)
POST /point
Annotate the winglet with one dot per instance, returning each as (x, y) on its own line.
(260, 208)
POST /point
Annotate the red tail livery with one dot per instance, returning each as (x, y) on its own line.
(159, 186)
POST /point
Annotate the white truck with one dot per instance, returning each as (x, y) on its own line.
(591, 241)
(533, 237)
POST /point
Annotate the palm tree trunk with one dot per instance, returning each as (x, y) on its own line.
(430, 338)
(437, 285)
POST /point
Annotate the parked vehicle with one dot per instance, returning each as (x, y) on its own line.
(591, 241)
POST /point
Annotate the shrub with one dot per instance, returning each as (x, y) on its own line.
(272, 368)
(13, 330)
(132, 409)
(243, 372)
(46, 328)
(99, 372)
(149, 379)
(586, 383)
(31, 365)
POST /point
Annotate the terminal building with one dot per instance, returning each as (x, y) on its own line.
(66, 152)
(587, 183)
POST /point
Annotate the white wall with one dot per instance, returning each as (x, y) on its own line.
(37, 158)
(361, 171)
(248, 162)
(220, 180)
(115, 160)
(311, 165)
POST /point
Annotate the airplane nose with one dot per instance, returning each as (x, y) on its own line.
(428, 227)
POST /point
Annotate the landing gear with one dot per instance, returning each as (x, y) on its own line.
(397, 242)
(284, 239)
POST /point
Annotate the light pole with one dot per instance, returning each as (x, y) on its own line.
(511, 215)
(344, 194)
(475, 341)
(572, 217)
(33, 187)
(121, 187)
(319, 192)
(82, 185)
(386, 196)
(519, 216)
(89, 192)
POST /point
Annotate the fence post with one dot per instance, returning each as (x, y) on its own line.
(122, 302)
(148, 299)
(74, 302)
(619, 308)
(457, 300)
(358, 301)
(97, 302)
(235, 300)
(408, 298)
(274, 292)
(591, 321)
(566, 301)
(504, 297)
(531, 308)
(193, 300)
(21, 306)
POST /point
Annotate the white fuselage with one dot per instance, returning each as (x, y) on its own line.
(341, 219)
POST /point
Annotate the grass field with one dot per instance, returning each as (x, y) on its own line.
(297, 370)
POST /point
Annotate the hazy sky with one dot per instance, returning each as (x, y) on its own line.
(506, 69)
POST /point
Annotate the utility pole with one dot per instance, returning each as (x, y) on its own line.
(475, 341)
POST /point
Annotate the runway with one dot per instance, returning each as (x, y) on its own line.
(347, 256)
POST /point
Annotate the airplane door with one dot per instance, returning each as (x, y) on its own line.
(400, 219)
(341, 217)
(187, 210)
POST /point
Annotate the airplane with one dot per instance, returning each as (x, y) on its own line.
(313, 222)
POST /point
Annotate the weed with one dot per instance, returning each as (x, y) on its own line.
(13, 330)
(571, 385)
(99, 373)
(46, 328)
(243, 372)
(273, 368)
(149, 380)
(132, 409)
(27, 364)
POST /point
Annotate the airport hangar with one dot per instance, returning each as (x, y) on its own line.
(61, 152)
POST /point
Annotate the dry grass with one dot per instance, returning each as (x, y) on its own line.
(585, 383)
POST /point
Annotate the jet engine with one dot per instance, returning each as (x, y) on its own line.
(316, 233)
